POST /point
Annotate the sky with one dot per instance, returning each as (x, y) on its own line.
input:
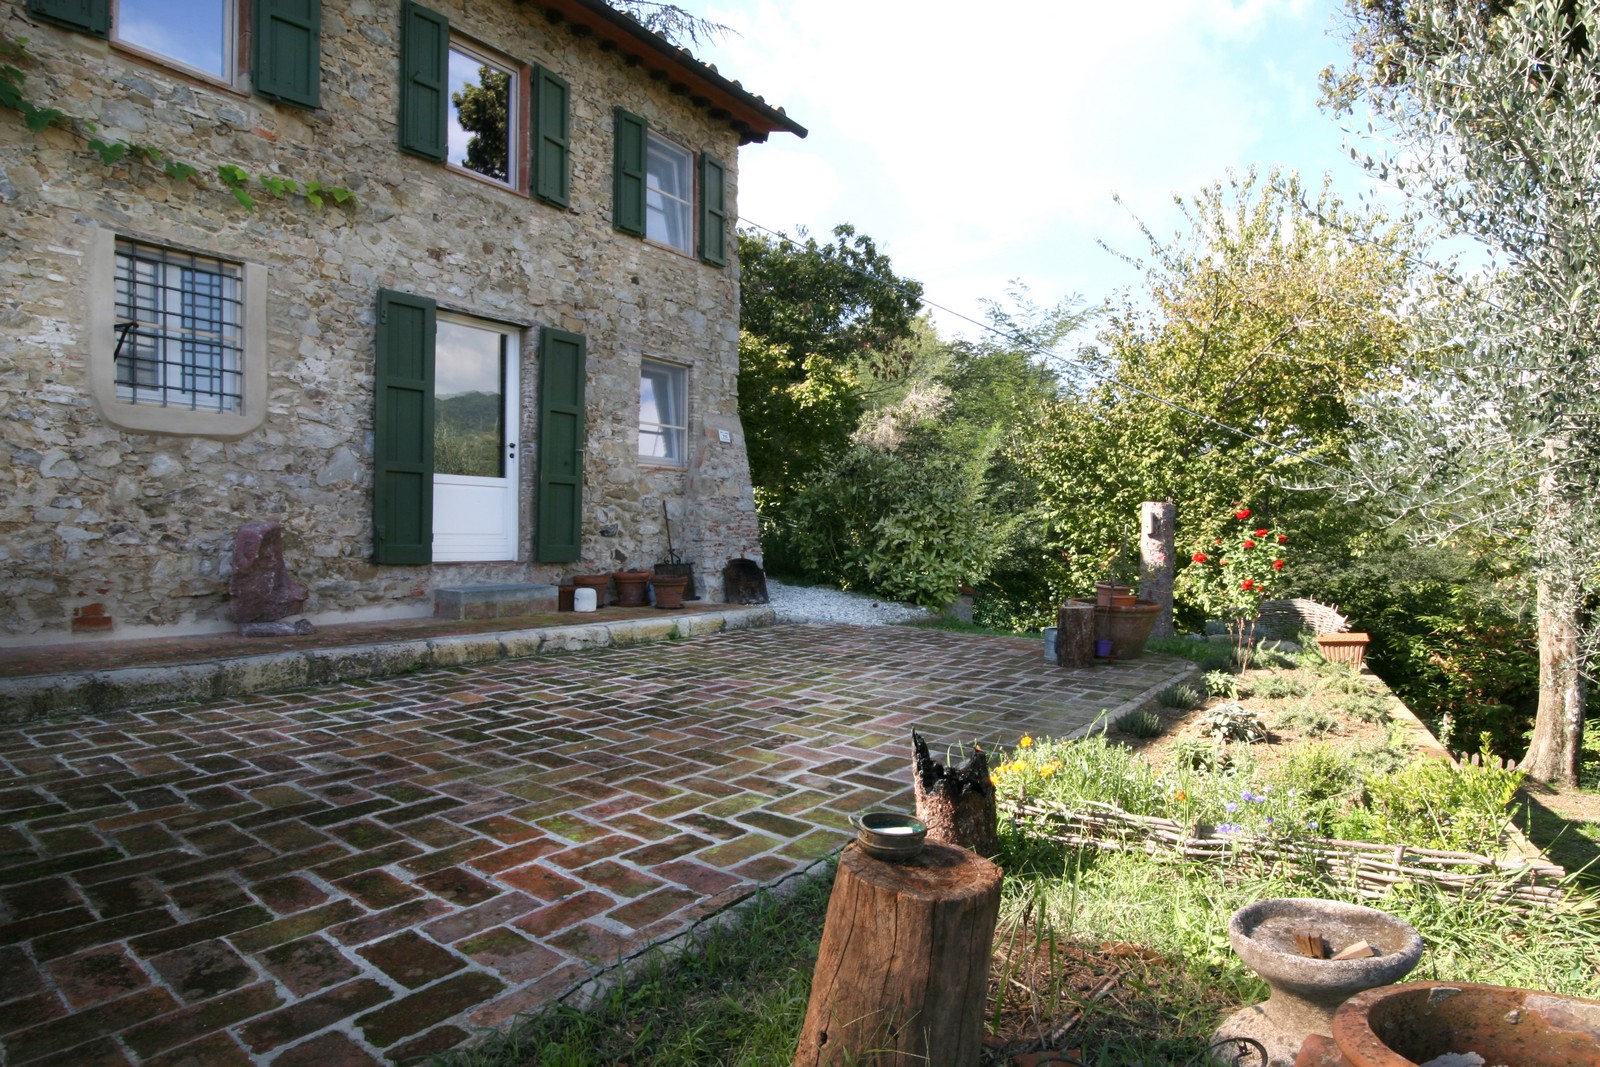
(982, 143)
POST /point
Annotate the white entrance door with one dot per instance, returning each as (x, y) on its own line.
(475, 420)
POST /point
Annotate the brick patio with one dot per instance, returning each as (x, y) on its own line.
(373, 871)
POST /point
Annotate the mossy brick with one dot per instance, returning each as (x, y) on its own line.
(326, 1050)
(717, 828)
(172, 874)
(765, 869)
(419, 810)
(219, 925)
(378, 889)
(204, 970)
(777, 825)
(74, 939)
(541, 881)
(278, 796)
(403, 792)
(562, 914)
(288, 894)
(572, 827)
(38, 926)
(617, 879)
(69, 839)
(503, 908)
(312, 1014)
(39, 898)
(411, 959)
(424, 1009)
(209, 897)
(365, 861)
(459, 887)
(97, 975)
(365, 834)
(124, 897)
(384, 923)
(290, 836)
(527, 852)
(198, 1020)
(642, 826)
(102, 1020)
(640, 913)
(454, 856)
(345, 812)
(730, 853)
(215, 840)
(665, 851)
(269, 816)
(440, 833)
(308, 965)
(814, 845)
(295, 926)
(213, 1050)
(44, 868)
(594, 851)
(594, 945)
(294, 862)
(18, 976)
(425, 1048)
(505, 829)
(697, 876)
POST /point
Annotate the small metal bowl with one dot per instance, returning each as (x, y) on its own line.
(888, 835)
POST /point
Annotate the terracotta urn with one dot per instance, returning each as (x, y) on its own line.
(630, 588)
(669, 590)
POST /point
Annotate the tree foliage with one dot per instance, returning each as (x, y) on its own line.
(1492, 110)
(482, 110)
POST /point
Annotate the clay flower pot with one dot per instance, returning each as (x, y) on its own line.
(1343, 648)
(630, 588)
(669, 590)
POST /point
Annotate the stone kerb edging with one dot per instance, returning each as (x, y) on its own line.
(42, 696)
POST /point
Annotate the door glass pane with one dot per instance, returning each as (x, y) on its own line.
(193, 32)
(469, 401)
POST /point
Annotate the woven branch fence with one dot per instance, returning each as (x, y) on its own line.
(1372, 868)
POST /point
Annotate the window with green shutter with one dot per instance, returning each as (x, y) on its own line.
(551, 146)
(85, 16)
(402, 451)
(424, 81)
(713, 211)
(287, 60)
(558, 526)
(628, 171)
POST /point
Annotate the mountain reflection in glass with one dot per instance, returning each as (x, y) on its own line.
(469, 402)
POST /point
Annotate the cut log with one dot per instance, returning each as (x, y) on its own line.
(903, 968)
(956, 804)
(1075, 635)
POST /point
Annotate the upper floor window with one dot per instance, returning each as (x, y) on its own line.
(201, 35)
(663, 413)
(484, 124)
(179, 340)
(669, 194)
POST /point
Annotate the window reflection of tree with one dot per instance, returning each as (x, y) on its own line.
(484, 110)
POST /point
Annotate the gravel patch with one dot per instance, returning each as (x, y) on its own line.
(799, 603)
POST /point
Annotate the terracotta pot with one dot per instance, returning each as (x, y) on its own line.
(630, 588)
(1105, 592)
(564, 596)
(669, 590)
(598, 582)
(1404, 1025)
(1343, 648)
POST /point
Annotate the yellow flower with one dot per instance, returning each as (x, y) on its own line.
(1180, 795)
(1025, 742)
(993, 780)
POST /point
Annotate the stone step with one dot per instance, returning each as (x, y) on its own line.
(493, 601)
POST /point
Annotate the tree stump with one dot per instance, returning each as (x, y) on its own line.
(956, 804)
(1075, 635)
(903, 968)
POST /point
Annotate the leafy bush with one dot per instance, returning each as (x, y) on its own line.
(1272, 686)
(1180, 696)
(1221, 684)
(1192, 753)
(1307, 721)
(1140, 723)
(1368, 706)
(1318, 772)
(1234, 722)
(1436, 804)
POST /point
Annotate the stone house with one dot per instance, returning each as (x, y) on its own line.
(502, 362)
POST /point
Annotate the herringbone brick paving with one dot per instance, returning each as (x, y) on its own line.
(370, 872)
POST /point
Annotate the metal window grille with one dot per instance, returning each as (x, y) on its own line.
(179, 342)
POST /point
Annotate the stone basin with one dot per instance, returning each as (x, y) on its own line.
(1306, 991)
(1411, 1024)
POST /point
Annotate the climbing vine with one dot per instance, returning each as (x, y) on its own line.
(238, 181)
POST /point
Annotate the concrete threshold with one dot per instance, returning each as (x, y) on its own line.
(75, 692)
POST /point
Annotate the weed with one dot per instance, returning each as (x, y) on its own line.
(1193, 753)
(1221, 684)
(1181, 696)
(1234, 722)
(1306, 721)
(1369, 706)
(1140, 723)
(1273, 687)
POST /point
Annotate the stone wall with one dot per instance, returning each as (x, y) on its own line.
(97, 522)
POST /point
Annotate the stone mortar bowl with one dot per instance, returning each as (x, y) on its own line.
(1307, 991)
(1404, 1025)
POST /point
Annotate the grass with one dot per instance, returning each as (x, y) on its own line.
(957, 626)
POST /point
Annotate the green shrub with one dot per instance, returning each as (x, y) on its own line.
(1234, 722)
(1221, 684)
(1307, 721)
(1140, 723)
(1436, 804)
(1318, 772)
(1369, 706)
(1180, 696)
(1273, 686)
(1192, 753)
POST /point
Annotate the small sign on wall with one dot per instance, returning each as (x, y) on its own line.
(724, 436)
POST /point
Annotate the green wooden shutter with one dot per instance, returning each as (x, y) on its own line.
(424, 82)
(713, 210)
(286, 63)
(558, 536)
(85, 16)
(550, 154)
(627, 199)
(402, 452)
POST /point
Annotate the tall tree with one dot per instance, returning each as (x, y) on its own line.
(484, 111)
(1491, 109)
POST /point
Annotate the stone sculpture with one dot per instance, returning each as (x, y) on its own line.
(261, 589)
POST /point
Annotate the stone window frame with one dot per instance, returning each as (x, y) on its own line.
(654, 138)
(234, 35)
(673, 433)
(518, 130)
(101, 320)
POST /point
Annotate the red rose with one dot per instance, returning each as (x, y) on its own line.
(1249, 543)
(1262, 532)
(1277, 564)
(1248, 584)
(1282, 539)
(1242, 513)
(1200, 557)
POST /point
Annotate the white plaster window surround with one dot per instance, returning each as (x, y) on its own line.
(669, 194)
(199, 37)
(663, 413)
(494, 150)
(192, 327)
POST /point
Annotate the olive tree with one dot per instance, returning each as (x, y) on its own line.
(1492, 116)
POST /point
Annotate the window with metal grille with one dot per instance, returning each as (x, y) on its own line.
(178, 337)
